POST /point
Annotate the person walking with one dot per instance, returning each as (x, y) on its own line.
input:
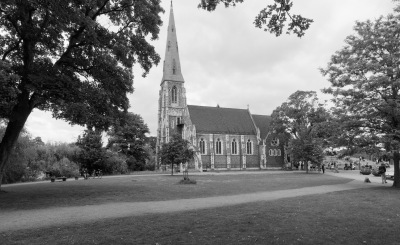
(323, 168)
(382, 171)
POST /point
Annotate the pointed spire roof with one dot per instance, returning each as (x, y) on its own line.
(172, 65)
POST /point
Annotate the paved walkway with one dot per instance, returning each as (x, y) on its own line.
(26, 219)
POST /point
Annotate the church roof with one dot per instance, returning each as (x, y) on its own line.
(217, 120)
(262, 122)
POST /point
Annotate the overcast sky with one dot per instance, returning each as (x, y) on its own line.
(225, 60)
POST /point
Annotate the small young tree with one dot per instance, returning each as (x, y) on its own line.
(175, 152)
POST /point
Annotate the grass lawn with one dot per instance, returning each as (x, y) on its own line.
(150, 188)
(367, 216)
(363, 216)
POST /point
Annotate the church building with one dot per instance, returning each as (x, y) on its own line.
(223, 138)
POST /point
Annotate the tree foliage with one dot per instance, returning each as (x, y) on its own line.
(8, 88)
(92, 153)
(274, 18)
(33, 158)
(73, 58)
(128, 137)
(304, 122)
(176, 151)
(365, 81)
(24, 156)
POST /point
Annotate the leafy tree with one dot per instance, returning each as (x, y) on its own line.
(92, 153)
(351, 136)
(303, 121)
(273, 18)
(73, 58)
(176, 152)
(128, 136)
(38, 141)
(152, 142)
(365, 81)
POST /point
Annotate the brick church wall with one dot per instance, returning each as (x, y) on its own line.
(220, 161)
(274, 160)
(236, 160)
(252, 161)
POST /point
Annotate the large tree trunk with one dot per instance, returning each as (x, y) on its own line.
(396, 158)
(15, 125)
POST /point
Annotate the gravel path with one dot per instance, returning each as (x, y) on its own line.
(26, 219)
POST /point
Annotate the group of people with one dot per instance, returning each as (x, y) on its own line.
(312, 167)
(96, 173)
(301, 166)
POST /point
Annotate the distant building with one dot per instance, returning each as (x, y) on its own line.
(223, 138)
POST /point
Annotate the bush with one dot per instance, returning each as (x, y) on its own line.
(121, 168)
(64, 167)
(135, 165)
(115, 163)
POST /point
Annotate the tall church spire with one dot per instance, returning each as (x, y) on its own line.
(172, 65)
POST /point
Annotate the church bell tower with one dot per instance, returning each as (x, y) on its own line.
(172, 95)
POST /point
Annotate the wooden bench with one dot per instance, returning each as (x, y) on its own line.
(59, 178)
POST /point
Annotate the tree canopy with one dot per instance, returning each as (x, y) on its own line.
(73, 58)
(274, 18)
(128, 136)
(92, 152)
(365, 81)
(303, 121)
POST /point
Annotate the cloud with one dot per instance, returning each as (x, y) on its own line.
(227, 61)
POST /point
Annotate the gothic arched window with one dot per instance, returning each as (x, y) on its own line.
(202, 146)
(249, 147)
(234, 147)
(218, 147)
(174, 95)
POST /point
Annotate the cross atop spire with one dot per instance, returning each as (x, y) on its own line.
(172, 65)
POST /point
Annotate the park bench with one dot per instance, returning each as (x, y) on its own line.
(63, 178)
